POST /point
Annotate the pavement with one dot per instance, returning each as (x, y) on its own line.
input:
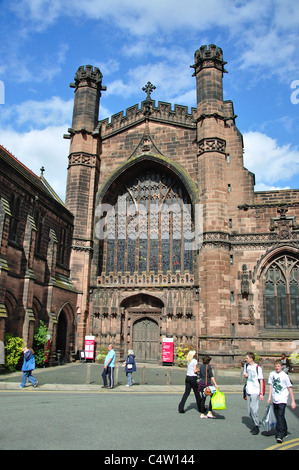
(149, 378)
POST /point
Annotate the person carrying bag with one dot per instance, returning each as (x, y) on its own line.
(205, 386)
(130, 367)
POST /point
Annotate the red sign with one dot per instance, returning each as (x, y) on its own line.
(89, 347)
(47, 347)
(167, 350)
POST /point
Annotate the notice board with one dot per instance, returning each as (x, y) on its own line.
(89, 347)
(167, 350)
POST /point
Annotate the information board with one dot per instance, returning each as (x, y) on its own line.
(167, 350)
(89, 347)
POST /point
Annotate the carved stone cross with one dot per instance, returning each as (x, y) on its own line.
(148, 88)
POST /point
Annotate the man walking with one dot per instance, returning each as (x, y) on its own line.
(254, 393)
(109, 365)
(280, 387)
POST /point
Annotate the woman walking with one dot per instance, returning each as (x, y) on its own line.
(190, 381)
(206, 377)
(28, 367)
(130, 367)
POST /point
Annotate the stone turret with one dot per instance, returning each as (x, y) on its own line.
(88, 87)
(82, 181)
(208, 70)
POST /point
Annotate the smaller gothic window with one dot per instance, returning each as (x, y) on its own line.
(282, 293)
(14, 222)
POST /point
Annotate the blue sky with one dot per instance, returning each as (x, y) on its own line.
(43, 42)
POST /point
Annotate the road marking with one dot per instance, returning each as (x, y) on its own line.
(285, 445)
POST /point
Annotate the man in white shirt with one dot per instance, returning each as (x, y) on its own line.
(254, 393)
(279, 391)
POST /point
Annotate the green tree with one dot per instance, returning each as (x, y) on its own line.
(40, 339)
(13, 349)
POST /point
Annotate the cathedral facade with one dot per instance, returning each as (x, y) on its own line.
(170, 239)
(161, 235)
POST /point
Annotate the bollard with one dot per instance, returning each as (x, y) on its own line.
(216, 375)
(168, 377)
(88, 374)
(116, 375)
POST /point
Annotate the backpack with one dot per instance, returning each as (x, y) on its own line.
(261, 381)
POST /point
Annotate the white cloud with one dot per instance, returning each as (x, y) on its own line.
(39, 148)
(271, 163)
(38, 114)
(264, 33)
(266, 187)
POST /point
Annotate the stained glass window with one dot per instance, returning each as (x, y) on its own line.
(150, 227)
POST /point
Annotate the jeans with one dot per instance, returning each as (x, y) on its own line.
(130, 379)
(203, 402)
(28, 375)
(253, 402)
(110, 372)
(281, 425)
(190, 383)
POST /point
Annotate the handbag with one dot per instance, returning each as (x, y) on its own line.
(269, 419)
(205, 387)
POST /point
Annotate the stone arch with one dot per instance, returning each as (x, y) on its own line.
(65, 333)
(270, 255)
(142, 325)
(165, 162)
(11, 325)
(145, 219)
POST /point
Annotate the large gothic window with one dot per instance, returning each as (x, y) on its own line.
(148, 226)
(282, 293)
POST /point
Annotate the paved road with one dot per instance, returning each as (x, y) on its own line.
(69, 410)
(36, 419)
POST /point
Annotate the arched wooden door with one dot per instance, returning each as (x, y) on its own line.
(146, 340)
(61, 334)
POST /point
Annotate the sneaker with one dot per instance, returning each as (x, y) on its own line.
(104, 386)
(203, 416)
(279, 440)
(35, 385)
(255, 430)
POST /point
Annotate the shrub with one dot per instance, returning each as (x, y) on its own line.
(100, 357)
(294, 359)
(40, 339)
(181, 353)
(13, 349)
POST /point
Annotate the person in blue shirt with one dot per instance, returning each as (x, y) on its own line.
(27, 368)
(109, 365)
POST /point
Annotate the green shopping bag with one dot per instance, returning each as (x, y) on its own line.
(218, 401)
